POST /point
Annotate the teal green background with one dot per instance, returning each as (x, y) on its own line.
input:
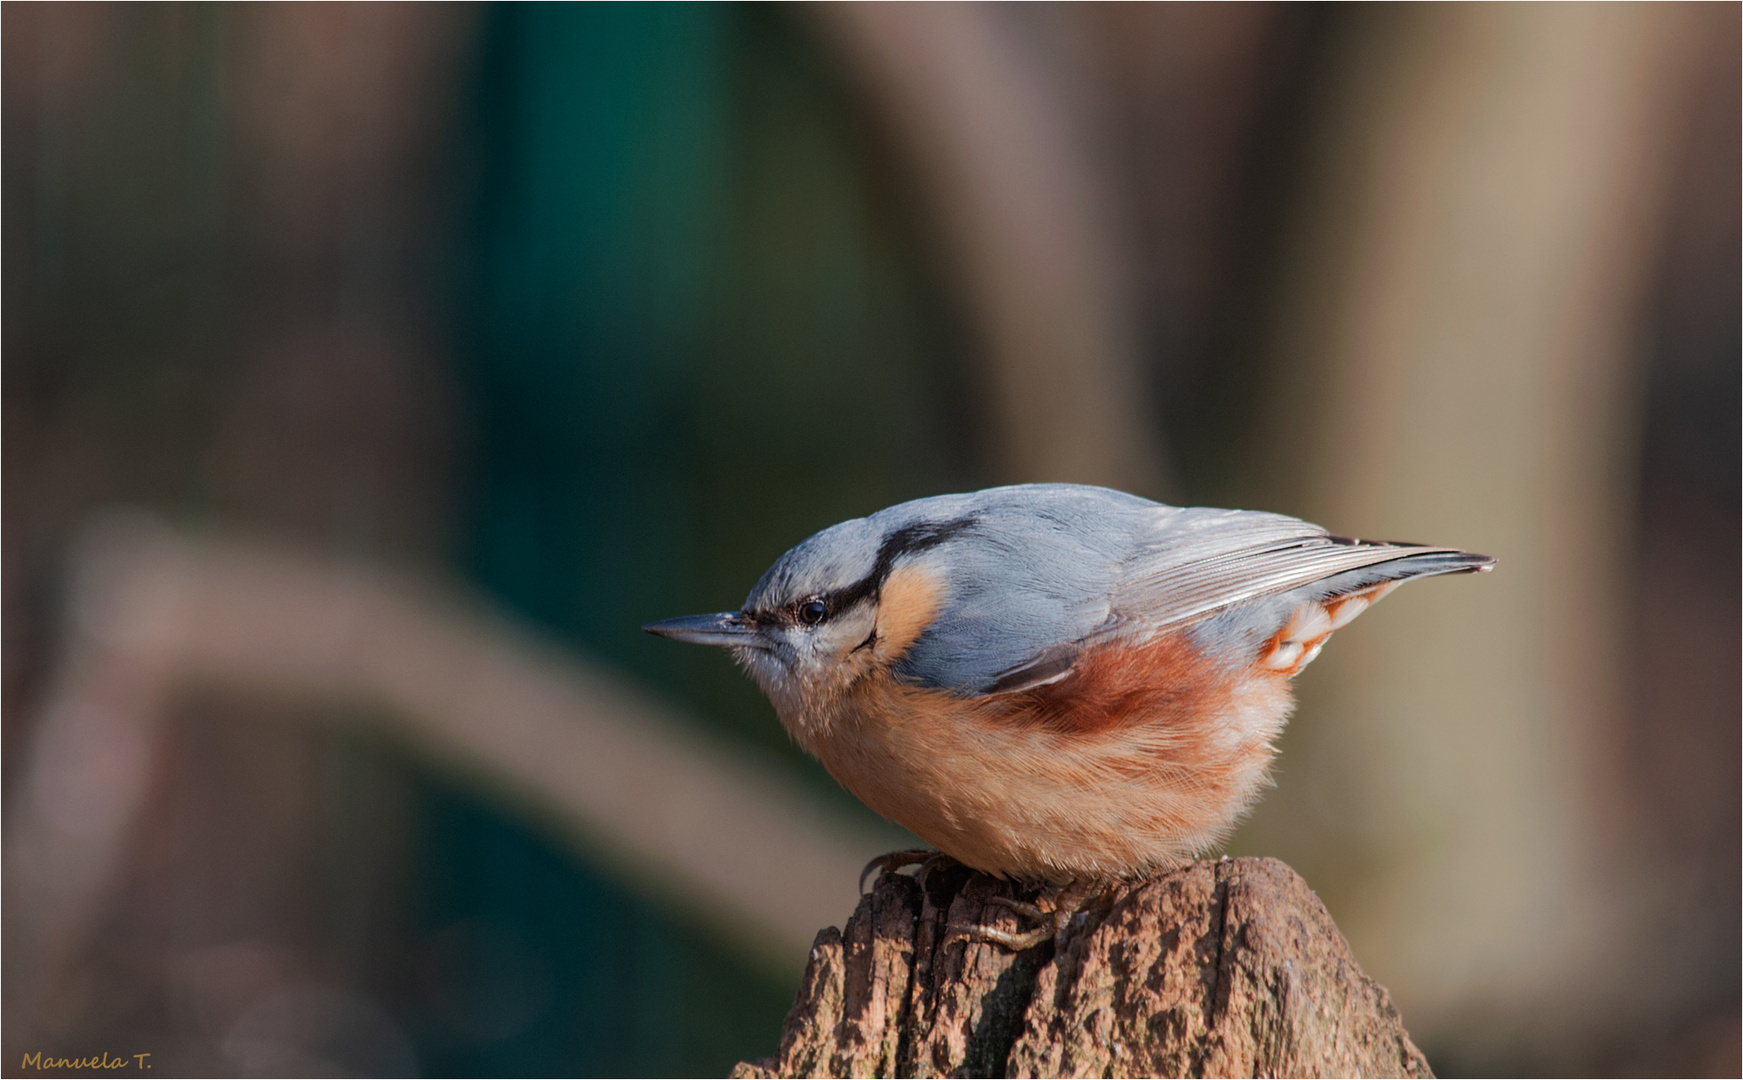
(698, 325)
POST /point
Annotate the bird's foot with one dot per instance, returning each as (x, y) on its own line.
(925, 858)
(1023, 908)
(1071, 900)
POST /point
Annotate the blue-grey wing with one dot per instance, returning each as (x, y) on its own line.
(1052, 568)
(1202, 561)
(1236, 576)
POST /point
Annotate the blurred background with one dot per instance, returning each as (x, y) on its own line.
(372, 373)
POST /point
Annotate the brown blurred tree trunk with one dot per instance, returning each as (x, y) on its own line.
(1229, 968)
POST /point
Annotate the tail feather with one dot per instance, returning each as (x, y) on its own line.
(1332, 603)
(1430, 563)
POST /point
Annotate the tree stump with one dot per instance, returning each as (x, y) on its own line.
(1227, 968)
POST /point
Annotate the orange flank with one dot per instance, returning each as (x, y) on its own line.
(1165, 681)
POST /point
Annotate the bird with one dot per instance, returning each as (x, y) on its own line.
(1062, 685)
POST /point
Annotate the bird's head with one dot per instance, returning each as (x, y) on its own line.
(840, 606)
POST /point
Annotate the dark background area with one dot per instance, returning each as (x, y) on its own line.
(590, 311)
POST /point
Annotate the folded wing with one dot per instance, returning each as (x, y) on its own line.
(1220, 558)
(1249, 577)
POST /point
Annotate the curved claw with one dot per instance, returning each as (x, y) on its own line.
(938, 859)
(1011, 939)
(1021, 907)
(894, 861)
(1053, 923)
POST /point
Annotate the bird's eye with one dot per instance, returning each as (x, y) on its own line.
(811, 612)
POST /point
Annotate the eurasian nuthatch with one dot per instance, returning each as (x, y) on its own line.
(1051, 682)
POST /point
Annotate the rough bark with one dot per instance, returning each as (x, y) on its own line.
(1229, 968)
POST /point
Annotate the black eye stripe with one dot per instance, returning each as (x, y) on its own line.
(911, 538)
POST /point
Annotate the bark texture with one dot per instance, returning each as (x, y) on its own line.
(1228, 968)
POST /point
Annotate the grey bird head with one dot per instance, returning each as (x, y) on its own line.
(801, 626)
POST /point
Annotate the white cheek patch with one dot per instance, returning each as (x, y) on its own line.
(764, 668)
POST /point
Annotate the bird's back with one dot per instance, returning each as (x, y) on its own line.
(1037, 571)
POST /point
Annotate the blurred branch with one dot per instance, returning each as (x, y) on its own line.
(1456, 357)
(1031, 229)
(154, 614)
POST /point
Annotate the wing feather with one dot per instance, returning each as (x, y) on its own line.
(1228, 557)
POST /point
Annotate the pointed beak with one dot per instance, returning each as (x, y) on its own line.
(721, 628)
